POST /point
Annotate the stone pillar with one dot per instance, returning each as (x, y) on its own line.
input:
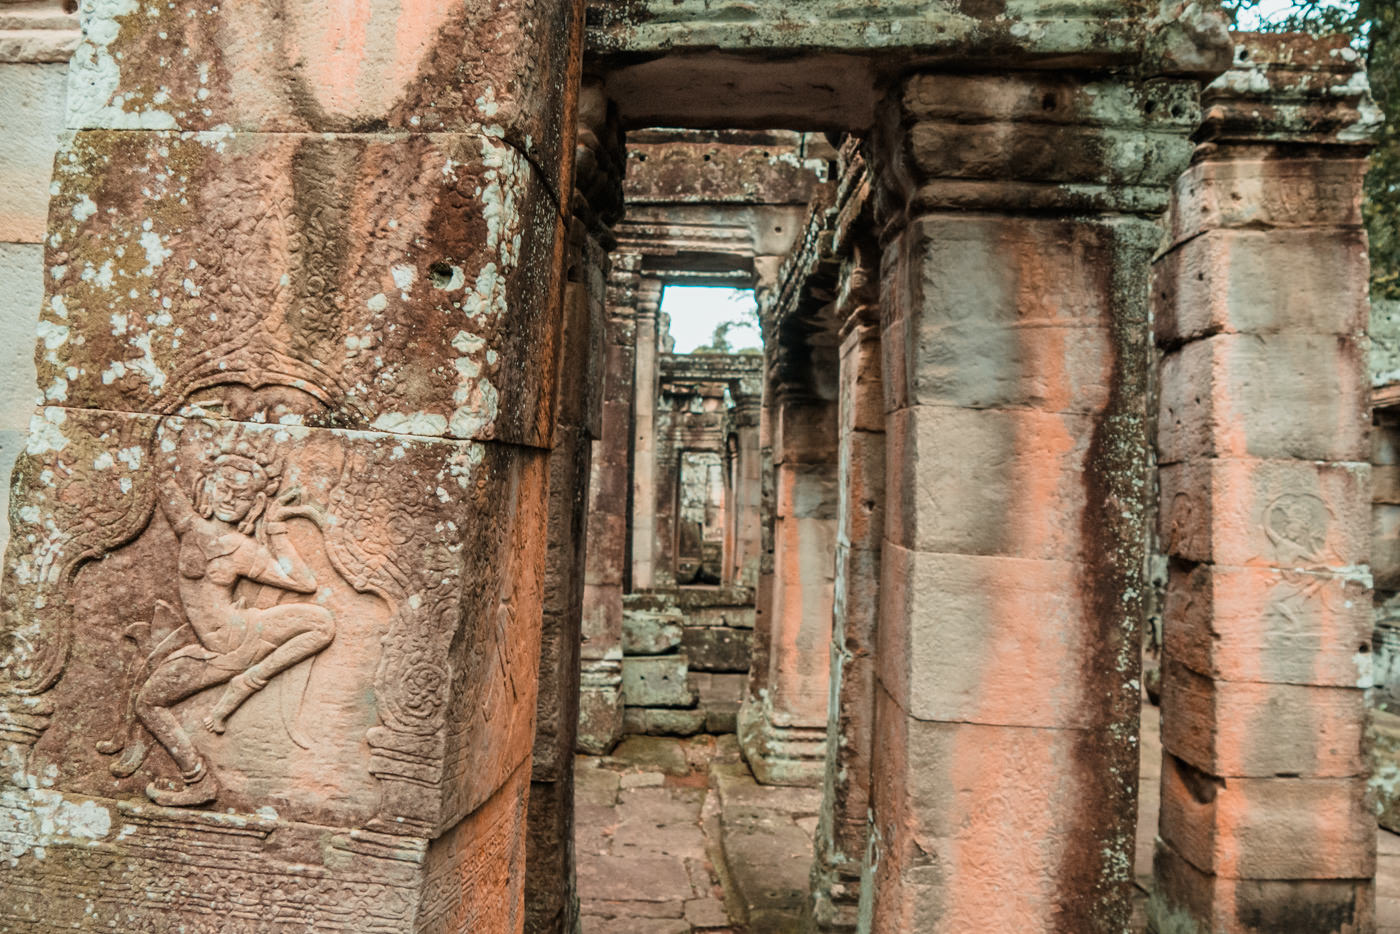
(36, 40)
(844, 828)
(551, 900)
(1015, 214)
(605, 577)
(745, 507)
(271, 608)
(1261, 311)
(763, 593)
(646, 384)
(783, 729)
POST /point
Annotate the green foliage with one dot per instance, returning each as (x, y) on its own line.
(745, 315)
(1374, 26)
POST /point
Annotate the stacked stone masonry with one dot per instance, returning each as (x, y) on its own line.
(1265, 507)
(363, 487)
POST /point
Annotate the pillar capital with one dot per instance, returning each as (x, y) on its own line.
(1290, 90)
(1030, 142)
(600, 161)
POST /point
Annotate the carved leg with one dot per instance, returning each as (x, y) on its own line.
(169, 684)
(301, 629)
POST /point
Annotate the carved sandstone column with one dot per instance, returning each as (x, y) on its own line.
(645, 387)
(272, 602)
(607, 561)
(844, 828)
(551, 900)
(1016, 225)
(783, 725)
(1261, 311)
(746, 508)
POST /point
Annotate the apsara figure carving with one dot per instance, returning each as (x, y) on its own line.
(231, 527)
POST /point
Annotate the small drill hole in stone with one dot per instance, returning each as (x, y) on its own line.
(441, 274)
(1048, 102)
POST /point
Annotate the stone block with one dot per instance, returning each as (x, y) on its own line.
(707, 171)
(862, 400)
(382, 282)
(1385, 545)
(645, 633)
(861, 489)
(1247, 729)
(1384, 749)
(803, 588)
(992, 803)
(857, 598)
(1185, 898)
(602, 622)
(21, 294)
(1262, 513)
(987, 640)
(599, 717)
(1269, 625)
(164, 70)
(961, 481)
(658, 681)
(1262, 282)
(717, 648)
(1268, 828)
(662, 721)
(807, 491)
(998, 312)
(805, 433)
(1385, 481)
(34, 118)
(1267, 193)
(1258, 395)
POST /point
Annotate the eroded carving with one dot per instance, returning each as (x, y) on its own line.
(231, 525)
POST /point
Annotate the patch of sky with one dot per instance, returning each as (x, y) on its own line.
(713, 319)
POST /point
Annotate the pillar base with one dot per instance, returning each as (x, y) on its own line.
(77, 860)
(835, 901)
(1186, 900)
(781, 755)
(600, 706)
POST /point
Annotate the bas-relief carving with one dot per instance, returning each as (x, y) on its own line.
(232, 531)
(276, 613)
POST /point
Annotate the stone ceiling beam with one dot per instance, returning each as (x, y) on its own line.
(820, 64)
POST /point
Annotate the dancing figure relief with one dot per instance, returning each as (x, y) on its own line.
(231, 527)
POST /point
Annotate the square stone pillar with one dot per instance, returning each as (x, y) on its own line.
(646, 386)
(1261, 314)
(1015, 215)
(271, 608)
(551, 899)
(607, 561)
(745, 507)
(843, 831)
(783, 728)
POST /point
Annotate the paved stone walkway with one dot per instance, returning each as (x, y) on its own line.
(663, 823)
(645, 864)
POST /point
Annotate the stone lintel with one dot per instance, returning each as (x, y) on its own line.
(815, 65)
(1043, 142)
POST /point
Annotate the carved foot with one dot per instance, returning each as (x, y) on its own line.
(201, 788)
(131, 759)
(239, 689)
